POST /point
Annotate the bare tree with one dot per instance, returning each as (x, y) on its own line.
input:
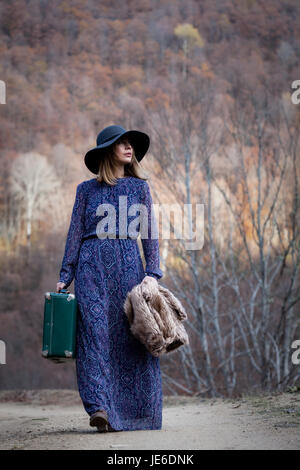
(242, 288)
(34, 187)
(266, 142)
(193, 137)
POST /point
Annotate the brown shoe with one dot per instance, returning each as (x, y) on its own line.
(110, 429)
(100, 420)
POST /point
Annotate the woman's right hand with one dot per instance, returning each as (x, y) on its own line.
(59, 286)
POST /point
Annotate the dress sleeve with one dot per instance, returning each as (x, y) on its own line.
(74, 238)
(151, 245)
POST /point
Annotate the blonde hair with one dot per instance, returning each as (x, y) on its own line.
(107, 167)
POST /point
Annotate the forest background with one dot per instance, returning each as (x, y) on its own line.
(211, 82)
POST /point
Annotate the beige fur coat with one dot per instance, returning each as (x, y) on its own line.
(155, 317)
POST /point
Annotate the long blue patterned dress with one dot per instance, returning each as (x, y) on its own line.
(115, 372)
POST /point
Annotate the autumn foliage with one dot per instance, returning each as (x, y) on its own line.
(210, 81)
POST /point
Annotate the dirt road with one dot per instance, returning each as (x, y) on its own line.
(53, 419)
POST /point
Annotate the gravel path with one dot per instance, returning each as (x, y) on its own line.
(56, 420)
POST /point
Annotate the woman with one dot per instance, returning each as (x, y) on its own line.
(119, 381)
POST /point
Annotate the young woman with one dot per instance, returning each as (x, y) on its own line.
(119, 381)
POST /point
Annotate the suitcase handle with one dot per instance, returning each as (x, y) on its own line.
(64, 291)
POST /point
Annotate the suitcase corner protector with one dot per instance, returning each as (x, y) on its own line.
(68, 353)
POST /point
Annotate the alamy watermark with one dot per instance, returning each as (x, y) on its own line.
(2, 352)
(296, 354)
(2, 92)
(145, 223)
(295, 97)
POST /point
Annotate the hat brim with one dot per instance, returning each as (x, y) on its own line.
(139, 141)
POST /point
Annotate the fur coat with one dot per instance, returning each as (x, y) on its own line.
(155, 317)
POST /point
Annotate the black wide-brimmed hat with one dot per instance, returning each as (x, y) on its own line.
(139, 141)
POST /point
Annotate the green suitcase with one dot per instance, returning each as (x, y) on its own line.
(59, 331)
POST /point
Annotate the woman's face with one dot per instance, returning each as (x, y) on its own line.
(123, 150)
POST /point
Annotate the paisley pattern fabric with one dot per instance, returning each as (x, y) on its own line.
(115, 372)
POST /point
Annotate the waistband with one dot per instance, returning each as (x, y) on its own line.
(116, 235)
